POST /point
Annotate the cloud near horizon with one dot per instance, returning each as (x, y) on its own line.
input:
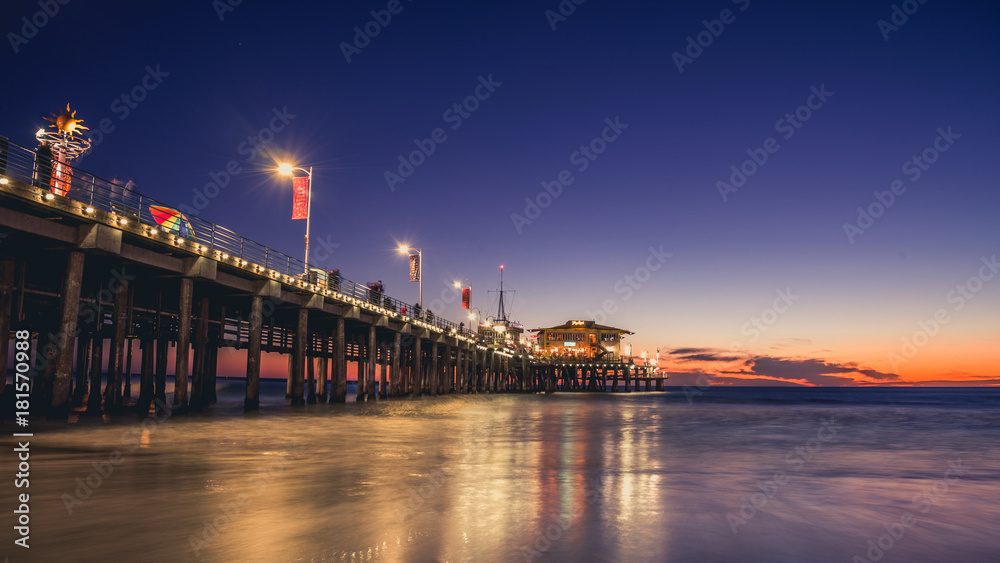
(757, 369)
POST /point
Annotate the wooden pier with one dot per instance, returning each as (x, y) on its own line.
(82, 262)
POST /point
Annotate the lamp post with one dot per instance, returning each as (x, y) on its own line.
(286, 170)
(404, 249)
(472, 317)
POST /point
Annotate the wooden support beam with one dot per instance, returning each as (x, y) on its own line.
(128, 343)
(127, 393)
(339, 365)
(372, 360)
(215, 339)
(311, 374)
(145, 374)
(434, 377)
(82, 363)
(299, 367)
(252, 400)
(361, 363)
(324, 362)
(181, 355)
(96, 363)
(396, 380)
(113, 391)
(199, 374)
(60, 404)
(417, 373)
(383, 387)
(460, 384)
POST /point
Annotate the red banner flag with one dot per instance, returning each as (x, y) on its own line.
(300, 197)
(466, 297)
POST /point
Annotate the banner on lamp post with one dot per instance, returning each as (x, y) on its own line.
(300, 197)
(466, 297)
(414, 267)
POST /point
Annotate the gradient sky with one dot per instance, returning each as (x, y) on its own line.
(225, 72)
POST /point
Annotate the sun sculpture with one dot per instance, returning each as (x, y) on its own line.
(62, 146)
(66, 121)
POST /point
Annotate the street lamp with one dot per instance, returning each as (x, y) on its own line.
(472, 317)
(404, 249)
(286, 169)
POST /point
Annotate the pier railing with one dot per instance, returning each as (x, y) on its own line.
(203, 237)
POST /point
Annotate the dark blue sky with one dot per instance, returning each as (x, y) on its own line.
(655, 185)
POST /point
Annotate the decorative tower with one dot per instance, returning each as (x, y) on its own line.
(64, 147)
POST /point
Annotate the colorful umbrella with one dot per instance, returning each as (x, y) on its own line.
(172, 221)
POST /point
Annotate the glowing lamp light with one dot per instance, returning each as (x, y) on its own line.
(48, 197)
(285, 169)
(89, 209)
(3, 181)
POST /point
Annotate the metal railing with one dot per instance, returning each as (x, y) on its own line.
(205, 238)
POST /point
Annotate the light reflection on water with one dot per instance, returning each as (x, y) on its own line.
(636, 477)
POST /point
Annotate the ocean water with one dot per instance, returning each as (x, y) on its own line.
(728, 475)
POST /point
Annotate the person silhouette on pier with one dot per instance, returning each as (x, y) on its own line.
(334, 279)
(43, 166)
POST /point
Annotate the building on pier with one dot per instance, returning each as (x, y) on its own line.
(580, 339)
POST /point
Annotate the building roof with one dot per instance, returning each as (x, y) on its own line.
(586, 325)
